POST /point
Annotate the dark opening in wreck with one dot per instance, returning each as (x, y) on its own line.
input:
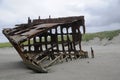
(44, 42)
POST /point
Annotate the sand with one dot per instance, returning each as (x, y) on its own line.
(105, 65)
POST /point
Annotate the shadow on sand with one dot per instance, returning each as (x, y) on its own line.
(12, 65)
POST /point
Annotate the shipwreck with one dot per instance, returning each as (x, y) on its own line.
(44, 42)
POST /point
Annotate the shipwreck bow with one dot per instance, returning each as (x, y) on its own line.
(44, 42)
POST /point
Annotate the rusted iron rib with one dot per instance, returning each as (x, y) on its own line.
(42, 42)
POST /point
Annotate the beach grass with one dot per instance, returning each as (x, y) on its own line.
(6, 44)
(105, 34)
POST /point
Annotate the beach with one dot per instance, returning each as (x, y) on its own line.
(105, 66)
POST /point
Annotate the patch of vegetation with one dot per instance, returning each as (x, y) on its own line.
(6, 44)
(105, 34)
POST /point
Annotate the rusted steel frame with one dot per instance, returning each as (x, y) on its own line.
(80, 38)
(79, 32)
(67, 51)
(54, 42)
(29, 46)
(51, 38)
(68, 41)
(46, 41)
(41, 31)
(40, 41)
(57, 20)
(43, 59)
(14, 31)
(73, 36)
(36, 47)
(57, 39)
(51, 55)
(53, 61)
(21, 31)
(61, 29)
(76, 39)
(64, 42)
(48, 29)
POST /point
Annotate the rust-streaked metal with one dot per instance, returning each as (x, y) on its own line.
(44, 42)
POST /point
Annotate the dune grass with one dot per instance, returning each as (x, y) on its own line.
(6, 44)
(105, 34)
(86, 37)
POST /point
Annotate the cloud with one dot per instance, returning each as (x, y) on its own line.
(106, 14)
(99, 14)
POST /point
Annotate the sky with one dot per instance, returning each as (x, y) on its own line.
(100, 15)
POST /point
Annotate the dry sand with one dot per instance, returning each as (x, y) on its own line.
(105, 65)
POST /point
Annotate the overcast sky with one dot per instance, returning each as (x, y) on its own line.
(100, 15)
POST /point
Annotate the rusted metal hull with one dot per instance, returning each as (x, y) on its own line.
(44, 42)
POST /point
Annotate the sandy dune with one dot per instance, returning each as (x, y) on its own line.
(105, 65)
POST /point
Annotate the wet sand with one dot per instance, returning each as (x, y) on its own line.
(105, 66)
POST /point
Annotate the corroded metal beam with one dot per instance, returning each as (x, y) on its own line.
(42, 42)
